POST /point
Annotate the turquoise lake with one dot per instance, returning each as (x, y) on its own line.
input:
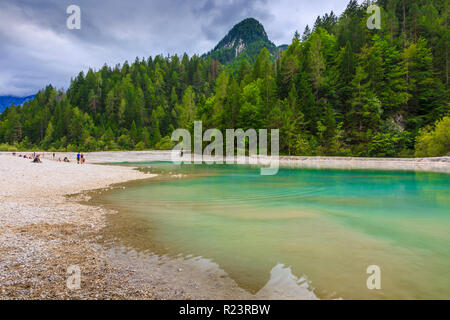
(328, 226)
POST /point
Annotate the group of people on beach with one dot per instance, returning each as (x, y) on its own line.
(59, 159)
(81, 159)
(35, 157)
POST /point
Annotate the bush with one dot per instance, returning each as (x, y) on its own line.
(434, 142)
(306, 145)
(7, 147)
(388, 144)
(26, 145)
(72, 148)
(112, 146)
(165, 144)
(90, 144)
(140, 146)
(125, 142)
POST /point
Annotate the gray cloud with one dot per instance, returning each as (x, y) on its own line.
(217, 17)
(38, 49)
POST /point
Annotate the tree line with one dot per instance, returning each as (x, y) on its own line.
(339, 89)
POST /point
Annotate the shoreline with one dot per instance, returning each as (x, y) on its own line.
(438, 164)
(47, 225)
(434, 164)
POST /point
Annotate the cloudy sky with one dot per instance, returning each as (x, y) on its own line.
(37, 48)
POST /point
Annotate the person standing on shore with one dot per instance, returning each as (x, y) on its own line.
(78, 158)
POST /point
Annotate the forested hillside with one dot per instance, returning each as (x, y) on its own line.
(339, 89)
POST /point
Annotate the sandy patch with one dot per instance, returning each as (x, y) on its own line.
(43, 232)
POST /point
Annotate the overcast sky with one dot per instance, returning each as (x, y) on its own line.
(37, 48)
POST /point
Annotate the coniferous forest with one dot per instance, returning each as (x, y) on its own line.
(338, 89)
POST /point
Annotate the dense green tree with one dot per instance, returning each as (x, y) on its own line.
(339, 89)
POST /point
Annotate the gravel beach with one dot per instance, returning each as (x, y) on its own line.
(44, 230)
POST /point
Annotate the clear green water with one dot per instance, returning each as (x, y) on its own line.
(326, 225)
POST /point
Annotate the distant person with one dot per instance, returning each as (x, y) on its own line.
(181, 153)
(53, 156)
(66, 159)
(83, 159)
(37, 159)
(78, 157)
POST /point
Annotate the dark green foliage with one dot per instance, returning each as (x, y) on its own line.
(340, 89)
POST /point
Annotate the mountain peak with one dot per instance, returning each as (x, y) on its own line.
(247, 31)
(7, 101)
(247, 38)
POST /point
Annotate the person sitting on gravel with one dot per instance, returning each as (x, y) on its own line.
(37, 159)
(66, 160)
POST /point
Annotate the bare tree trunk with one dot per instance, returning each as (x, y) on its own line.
(446, 42)
(446, 60)
(404, 40)
(415, 28)
(392, 31)
(404, 24)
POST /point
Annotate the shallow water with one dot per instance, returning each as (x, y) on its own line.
(328, 226)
